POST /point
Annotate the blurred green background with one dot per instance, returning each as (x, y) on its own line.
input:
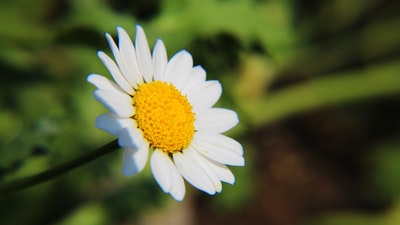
(316, 85)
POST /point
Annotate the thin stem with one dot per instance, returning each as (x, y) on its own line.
(59, 170)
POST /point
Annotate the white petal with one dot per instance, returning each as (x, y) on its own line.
(143, 54)
(114, 48)
(161, 169)
(193, 173)
(113, 124)
(104, 83)
(133, 160)
(115, 72)
(119, 104)
(215, 120)
(222, 171)
(178, 186)
(160, 60)
(179, 69)
(206, 95)
(118, 58)
(220, 141)
(198, 76)
(128, 56)
(205, 164)
(219, 148)
(131, 137)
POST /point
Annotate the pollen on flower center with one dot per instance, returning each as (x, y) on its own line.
(164, 115)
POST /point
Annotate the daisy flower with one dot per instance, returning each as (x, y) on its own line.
(166, 107)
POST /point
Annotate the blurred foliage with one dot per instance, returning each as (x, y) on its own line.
(277, 60)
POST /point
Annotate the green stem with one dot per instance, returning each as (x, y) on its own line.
(59, 170)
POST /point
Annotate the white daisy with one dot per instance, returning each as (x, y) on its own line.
(167, 107)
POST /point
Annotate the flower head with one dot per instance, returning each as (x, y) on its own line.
(166, 107)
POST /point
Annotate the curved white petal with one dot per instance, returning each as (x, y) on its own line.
(143, 54)
(118, 58)
(115, 72)
(197, 76)
(205, 164)
(128, 57)
(161, 169)
(179, 69)
(133, 160)
(173, 183)
(193, 173)
(220, 140)
(113, 124)
(114, 49)
(222, 171)
(167, 175)
(160, 60)
(119, 104)
(131, 137)
(206, 95)
(215, 120)
(219, 148)
(104, 83)
(178, 186)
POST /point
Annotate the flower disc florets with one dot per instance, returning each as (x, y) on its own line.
(164, 115)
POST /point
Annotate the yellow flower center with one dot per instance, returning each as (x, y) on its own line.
(164, 115)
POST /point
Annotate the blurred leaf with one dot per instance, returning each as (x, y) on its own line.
(358, 45)
(256, 74)
(88, 214)
(97, 15)
(269, 22)
(371, 82)
(384, 169)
